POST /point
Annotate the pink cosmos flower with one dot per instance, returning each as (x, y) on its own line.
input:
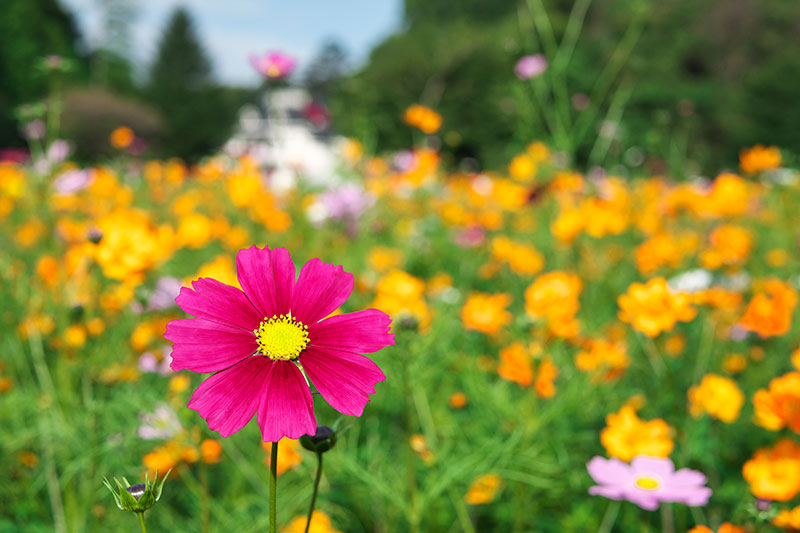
(256, 341)
(647, 481)
(530, 66)
(273, 65)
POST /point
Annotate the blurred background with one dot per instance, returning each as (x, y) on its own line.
(673, 86)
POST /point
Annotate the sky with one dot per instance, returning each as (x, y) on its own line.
(233, 29)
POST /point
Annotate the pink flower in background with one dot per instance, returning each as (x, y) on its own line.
(163, 297)
(273, 65)
(73, 181)
(647, 481)
(254, 340)
(530, 66)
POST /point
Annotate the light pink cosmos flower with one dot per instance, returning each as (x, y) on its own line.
(273, 65)
(530, 66)
(647, 481)
(256, 339)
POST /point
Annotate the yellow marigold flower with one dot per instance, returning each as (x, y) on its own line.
(194, 231)
(718, 396)
(675, 344)
(538, 152)
(626, 436)
(352, 150)
(382, 259)
(486, 312)
(726, 527)
(420, 447)
(47, 269)
(734, 363)
(75, 336)
(168, 456)
(179, 384)
(220, 268)
(730, 195)
(788, 519)
(516, 364)
(777, 257)
(554, 297)
(568, 225)
(211, 451)
(29, 233)
(483, 489)
(779, 406)
(759, 158)
(399, 293)
(605, 359)
(653, 307)
(774, 473)
(424, 118)
(289, 456)
(121, 137)
(522, 168)
(732, 243)
(41, 324)
(769, 312)
(658, 251)
(320, 523)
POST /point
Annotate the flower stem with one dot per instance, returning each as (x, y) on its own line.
(667, 520)
(204, 507)
(273, 488)
(141, 522)
(610, 517)
(316, 489)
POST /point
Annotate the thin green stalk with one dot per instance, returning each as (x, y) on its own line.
(667, 520)
(411, 461)
(141, 522)
(273, 488)
(610, 517)
(655, 358)
(316, 490)
(205, 517)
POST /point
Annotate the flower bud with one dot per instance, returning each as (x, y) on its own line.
(323, 440)
(139, 497)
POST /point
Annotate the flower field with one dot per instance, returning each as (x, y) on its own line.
(571, 352)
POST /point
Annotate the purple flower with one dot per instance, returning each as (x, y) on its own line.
(348, 202)
(163, 423)
(149, 362)
(163, 297)
(73, 181)
(273, 65)
(647, 481)
(530, 66)
(35, 129)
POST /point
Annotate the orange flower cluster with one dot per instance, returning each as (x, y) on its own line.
(320, 523)
(516, 364)
(626, 435)
(522, 258)
(423, 118)
(726, 527)
(769, 312)
(486, 312)
(779, 406)
(759, 158)
(654, 307)
(554, 297)
(483, 489)
(718, 396)
(402, 295)
(788, 519)
(730, 245)
(606, 360)
(774, 473)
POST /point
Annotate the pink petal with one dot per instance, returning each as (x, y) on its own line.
(609, 471)
(321, 288)
(204, 346)
(286, 409)
(219, 303)
(362, 332)
(612, 493)
(267, 277)
(646, 500)
(229, 399)
(344, 379)
(657, 466)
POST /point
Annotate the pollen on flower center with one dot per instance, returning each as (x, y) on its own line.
(281, 337)
(647, 483)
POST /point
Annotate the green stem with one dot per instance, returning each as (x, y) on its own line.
(652, 354)
(141, 522)
(610, 517)
(204, 507)
(273, 487)
(411, 466)
(316, 489)
(667, 520)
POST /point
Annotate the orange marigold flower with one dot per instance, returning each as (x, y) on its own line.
(401, 295)
(654, 307)
(289, 456)
(458, 400)
(211, 451)
(424, 118)
(516, 364)
(486, 312)
(544, 385)
(554, 297)
(626, 436)
(718, 396)
(730, 245)
(769, 312)
(774, 473)
(483, 489)
(523, 258)
(759, 158)
(788, 519)
(121, 137)
(320, 523)
(726, 527)
(522, 168)
(658, 251)
(607, 360)
(779, 406)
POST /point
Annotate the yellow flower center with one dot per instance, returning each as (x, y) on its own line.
(647, 483)
(281, 337)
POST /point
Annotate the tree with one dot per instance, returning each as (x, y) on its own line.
(326, 70)
(198, 115)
